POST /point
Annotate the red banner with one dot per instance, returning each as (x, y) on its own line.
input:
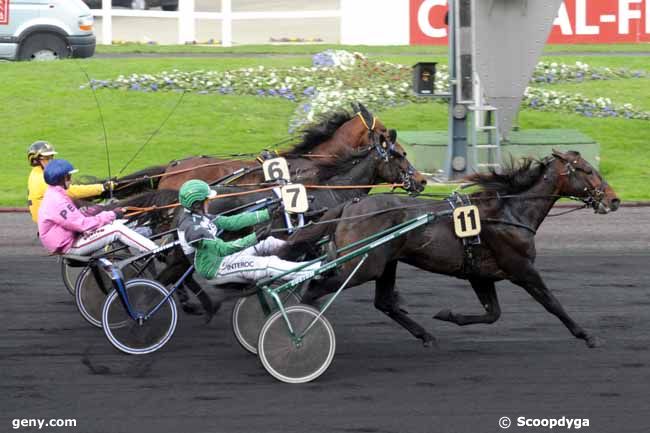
(4, 12)
(577, 22)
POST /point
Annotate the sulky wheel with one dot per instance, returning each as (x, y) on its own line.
(142, 335)
(70, 274)
(90, 296)
(296, 361)
(248, 317)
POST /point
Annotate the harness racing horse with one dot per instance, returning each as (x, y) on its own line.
(359, 168)
(512, 205)
(327, 142)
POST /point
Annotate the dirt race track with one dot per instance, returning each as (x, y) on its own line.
(53, 365)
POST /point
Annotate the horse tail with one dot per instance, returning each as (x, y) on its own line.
(304, 241)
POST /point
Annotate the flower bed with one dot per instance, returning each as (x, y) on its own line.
(338, 78)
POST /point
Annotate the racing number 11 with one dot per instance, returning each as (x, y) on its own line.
(467, 221)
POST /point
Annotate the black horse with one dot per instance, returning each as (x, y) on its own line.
(366, 167)
(512, 205)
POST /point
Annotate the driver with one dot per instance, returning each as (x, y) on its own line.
(39, 155)
(245, 260)
(65, 229)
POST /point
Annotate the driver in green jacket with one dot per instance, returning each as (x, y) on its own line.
(245, 260)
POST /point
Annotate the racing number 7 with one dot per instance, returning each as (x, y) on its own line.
(294, 198)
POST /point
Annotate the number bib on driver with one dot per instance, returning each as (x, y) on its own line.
(467, 221)
(294, 198)
(276, 169)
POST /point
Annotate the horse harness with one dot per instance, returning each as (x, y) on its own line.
(471, 244)
(385, 148)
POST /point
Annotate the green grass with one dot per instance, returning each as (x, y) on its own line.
(43, 101)
(315, 48)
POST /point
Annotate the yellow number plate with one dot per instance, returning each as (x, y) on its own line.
(276, 169)
(467, 221)
(295, 199)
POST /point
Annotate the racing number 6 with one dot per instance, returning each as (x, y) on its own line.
(276, 169)
(467, 221)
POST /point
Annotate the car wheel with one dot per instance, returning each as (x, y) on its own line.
(171, 7)
(44, 47)
(139, 4)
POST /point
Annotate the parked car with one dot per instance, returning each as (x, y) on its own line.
(46, 30)
(166, 5)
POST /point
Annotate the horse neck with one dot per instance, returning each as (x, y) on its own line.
(343, 140)
(362, 172)
(543, 195)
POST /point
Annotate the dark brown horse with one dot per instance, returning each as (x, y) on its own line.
(512, 205)
(328, 141)
(365, 167)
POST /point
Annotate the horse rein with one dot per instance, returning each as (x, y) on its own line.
(386, 147)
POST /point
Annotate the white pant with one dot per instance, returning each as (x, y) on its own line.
(257, 262)
(93, 240)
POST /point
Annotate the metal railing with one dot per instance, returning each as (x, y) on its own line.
(187, 15)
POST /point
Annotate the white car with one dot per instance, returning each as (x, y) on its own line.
(166, 5)
(45, 29)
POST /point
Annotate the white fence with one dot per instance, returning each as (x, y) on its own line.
(187, 15)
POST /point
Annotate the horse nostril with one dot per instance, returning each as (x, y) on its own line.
(423, 182)
(615, 204)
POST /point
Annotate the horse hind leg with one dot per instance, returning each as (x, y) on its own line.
(487, 294)
(386, 301)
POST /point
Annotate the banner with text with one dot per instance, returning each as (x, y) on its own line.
(4, 12)
(578, 21)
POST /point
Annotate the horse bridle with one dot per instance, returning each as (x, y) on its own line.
(596, 194)
(386, 147)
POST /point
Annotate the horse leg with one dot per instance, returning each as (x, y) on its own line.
(318, 289)
(528, 278)
(209, 306)
(486, 293)
(169, 276)
(386, 302)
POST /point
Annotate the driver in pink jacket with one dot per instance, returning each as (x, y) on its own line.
(63, 228)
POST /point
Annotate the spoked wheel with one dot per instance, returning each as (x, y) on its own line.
(146, 334)
(90, 296)
(70, 275)
(248, 317)
(296, 360)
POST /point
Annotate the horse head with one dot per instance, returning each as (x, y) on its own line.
(579, 179)
(384, 141)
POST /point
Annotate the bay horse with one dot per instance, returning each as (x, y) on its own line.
(365, 167)
(327, 141)
(512, 205)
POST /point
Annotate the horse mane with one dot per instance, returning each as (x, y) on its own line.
(514, 178)
(320, 132)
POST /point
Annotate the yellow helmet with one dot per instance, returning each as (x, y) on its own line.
(37, 150)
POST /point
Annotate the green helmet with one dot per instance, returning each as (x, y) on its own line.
(38, 149)
(194, 190)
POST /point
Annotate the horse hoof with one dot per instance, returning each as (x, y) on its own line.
(192, 309)
(444, 315)
(429, 341)
(593, 342)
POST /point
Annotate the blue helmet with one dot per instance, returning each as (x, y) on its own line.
(57, 170)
